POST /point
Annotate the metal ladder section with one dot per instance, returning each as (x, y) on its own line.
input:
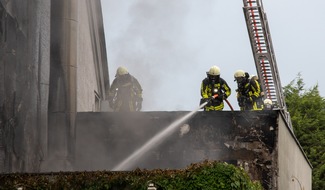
(262, 48)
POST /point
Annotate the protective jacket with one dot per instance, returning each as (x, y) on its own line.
(210, 88)
(248, 93)
(125, 94)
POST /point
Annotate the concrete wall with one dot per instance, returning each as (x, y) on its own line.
(92, 73)
(79, 73)
(41, 45)
(87, 80)
(24, 88)
(295, 171)
(63, 81)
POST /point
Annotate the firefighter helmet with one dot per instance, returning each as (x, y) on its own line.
(121, 71)
(214, 71)
(267, 102)
(239, 73)
(254, 77)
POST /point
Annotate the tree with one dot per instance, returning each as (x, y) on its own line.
(307, 110)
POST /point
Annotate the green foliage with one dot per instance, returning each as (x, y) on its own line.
(206, 175)
(307, 110)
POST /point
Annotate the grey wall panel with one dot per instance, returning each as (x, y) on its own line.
(25, 50)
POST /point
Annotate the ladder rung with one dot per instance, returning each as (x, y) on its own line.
(255, 17)
(255, 22)
(260, 33)
(256, 28)
(254, 8)
(251, 1)
(265, 71)
(256, 25)
(260, 45)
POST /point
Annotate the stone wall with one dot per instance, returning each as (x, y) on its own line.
(24, 72)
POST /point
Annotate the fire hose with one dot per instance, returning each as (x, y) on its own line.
(216, 95)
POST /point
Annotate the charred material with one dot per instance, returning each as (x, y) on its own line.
(246, 139)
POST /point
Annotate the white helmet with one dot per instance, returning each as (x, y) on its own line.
(254, 77)
(214, 71)
(121, 71)
(267, 102)
(239, 73)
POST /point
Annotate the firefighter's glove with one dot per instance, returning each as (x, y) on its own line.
(209, 99)
(205, 100)
(225, 96)
(222, 97)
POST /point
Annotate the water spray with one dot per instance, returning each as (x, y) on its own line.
(154, 141)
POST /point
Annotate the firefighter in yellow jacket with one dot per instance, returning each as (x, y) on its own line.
(260, 99)
(125, 93)
(213, 85)
(248, 91)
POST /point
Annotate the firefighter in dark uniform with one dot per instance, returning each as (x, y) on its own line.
(125, 93)
(248, 91)
(213, 85)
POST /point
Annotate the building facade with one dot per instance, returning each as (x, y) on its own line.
(52, 64)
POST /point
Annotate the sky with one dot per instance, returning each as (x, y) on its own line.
(169, 45)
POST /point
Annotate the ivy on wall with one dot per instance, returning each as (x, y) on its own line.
(205, 175)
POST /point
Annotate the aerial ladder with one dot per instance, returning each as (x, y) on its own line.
(264, 57)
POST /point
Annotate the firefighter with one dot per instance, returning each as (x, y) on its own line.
(214, 85)
(248, 91)
(268, 104)
(259, 100)
(125, 93)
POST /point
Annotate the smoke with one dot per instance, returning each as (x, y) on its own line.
(154, 47)
(169, 45)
